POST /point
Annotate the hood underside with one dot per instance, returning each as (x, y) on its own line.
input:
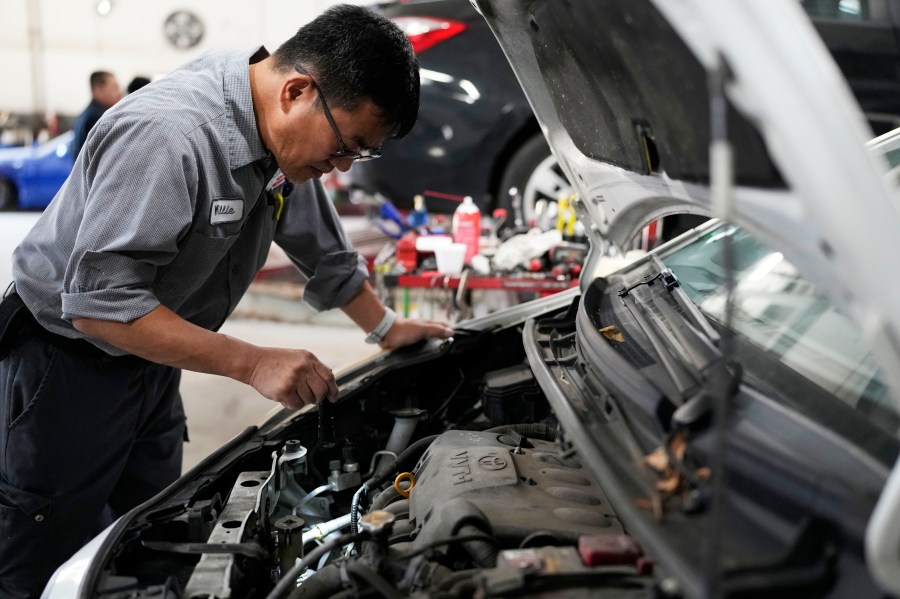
(626, 91)
(620, 88)
(623, 90)
(634, 96)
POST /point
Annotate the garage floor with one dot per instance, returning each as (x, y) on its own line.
(218, 408)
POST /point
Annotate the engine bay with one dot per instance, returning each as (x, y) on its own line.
(440, 472)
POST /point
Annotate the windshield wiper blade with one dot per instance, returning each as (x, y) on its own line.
(683, 376)
(699, 350)
(687, 345)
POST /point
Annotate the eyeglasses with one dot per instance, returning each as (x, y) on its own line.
(362, 154)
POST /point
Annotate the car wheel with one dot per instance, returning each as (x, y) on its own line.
(534, 172)
(7, 195)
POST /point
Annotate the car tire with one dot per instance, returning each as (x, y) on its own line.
(534, 172)
(8, 196)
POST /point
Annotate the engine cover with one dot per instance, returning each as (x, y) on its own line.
(467, 474)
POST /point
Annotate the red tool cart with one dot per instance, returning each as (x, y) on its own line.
(434, 286)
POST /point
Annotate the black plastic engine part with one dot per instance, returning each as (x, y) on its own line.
(512, 395)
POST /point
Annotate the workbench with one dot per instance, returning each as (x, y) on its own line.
(537, 284)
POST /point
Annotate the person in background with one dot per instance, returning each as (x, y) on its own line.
(164, 221)
(105, 92)
(137, 83)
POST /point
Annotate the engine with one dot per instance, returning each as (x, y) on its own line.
(444, 478)
(506, 485)
(491, 512)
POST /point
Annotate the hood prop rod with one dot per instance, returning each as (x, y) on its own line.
(721, 173)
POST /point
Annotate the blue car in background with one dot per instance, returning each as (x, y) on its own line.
(31, 176)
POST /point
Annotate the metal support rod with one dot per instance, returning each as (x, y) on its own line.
(722, 189)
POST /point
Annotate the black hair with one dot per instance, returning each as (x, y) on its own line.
(354, 53)
(98, 78)
(137, 83)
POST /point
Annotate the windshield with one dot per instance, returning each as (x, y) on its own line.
(782, 314)
(887, 145)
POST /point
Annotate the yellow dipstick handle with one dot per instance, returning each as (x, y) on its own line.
(403, 477)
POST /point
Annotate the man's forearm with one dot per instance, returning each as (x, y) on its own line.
(165, 338)
(365, 309)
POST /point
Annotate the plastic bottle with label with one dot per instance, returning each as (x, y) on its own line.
(467, 227)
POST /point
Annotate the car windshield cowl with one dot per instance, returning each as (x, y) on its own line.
(678, 332)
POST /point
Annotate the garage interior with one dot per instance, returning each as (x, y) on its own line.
(51, 49)
(471, 221)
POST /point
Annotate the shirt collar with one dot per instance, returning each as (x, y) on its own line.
(245, 145)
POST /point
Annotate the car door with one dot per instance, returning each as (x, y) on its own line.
(49, 172)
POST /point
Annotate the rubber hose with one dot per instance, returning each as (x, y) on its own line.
(535, 431)
(483, 554)
(384, 498)
(458, 576)
(378, 583)
(452, 585)
(404, 461)
(325, 583)
(289, 580)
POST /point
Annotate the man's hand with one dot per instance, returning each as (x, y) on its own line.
(406, 332)
(366, 310)
(293, 377)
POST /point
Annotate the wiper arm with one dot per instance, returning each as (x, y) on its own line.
(699, 348)
(698, 370)
(686, 303)
(684, 376)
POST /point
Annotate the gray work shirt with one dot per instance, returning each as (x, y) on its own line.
(167, 205)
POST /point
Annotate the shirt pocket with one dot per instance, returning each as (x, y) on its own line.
(202, 254)
(216, 229)
(222, 218)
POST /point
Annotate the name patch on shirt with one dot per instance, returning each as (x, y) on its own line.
(226, 211)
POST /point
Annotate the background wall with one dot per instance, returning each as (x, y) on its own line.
(48, 48)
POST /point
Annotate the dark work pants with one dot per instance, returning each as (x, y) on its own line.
(78, 434)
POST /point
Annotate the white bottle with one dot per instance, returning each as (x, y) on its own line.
(467, 227)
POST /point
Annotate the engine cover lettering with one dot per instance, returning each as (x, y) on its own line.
(515, 492)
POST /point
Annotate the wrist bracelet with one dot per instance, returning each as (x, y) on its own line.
(378, 333)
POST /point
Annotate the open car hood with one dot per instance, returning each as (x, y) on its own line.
(513, 459)
(622, 90)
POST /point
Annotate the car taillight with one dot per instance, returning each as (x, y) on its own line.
(425, 32)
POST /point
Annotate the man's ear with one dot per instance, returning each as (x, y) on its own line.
(295, 88)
